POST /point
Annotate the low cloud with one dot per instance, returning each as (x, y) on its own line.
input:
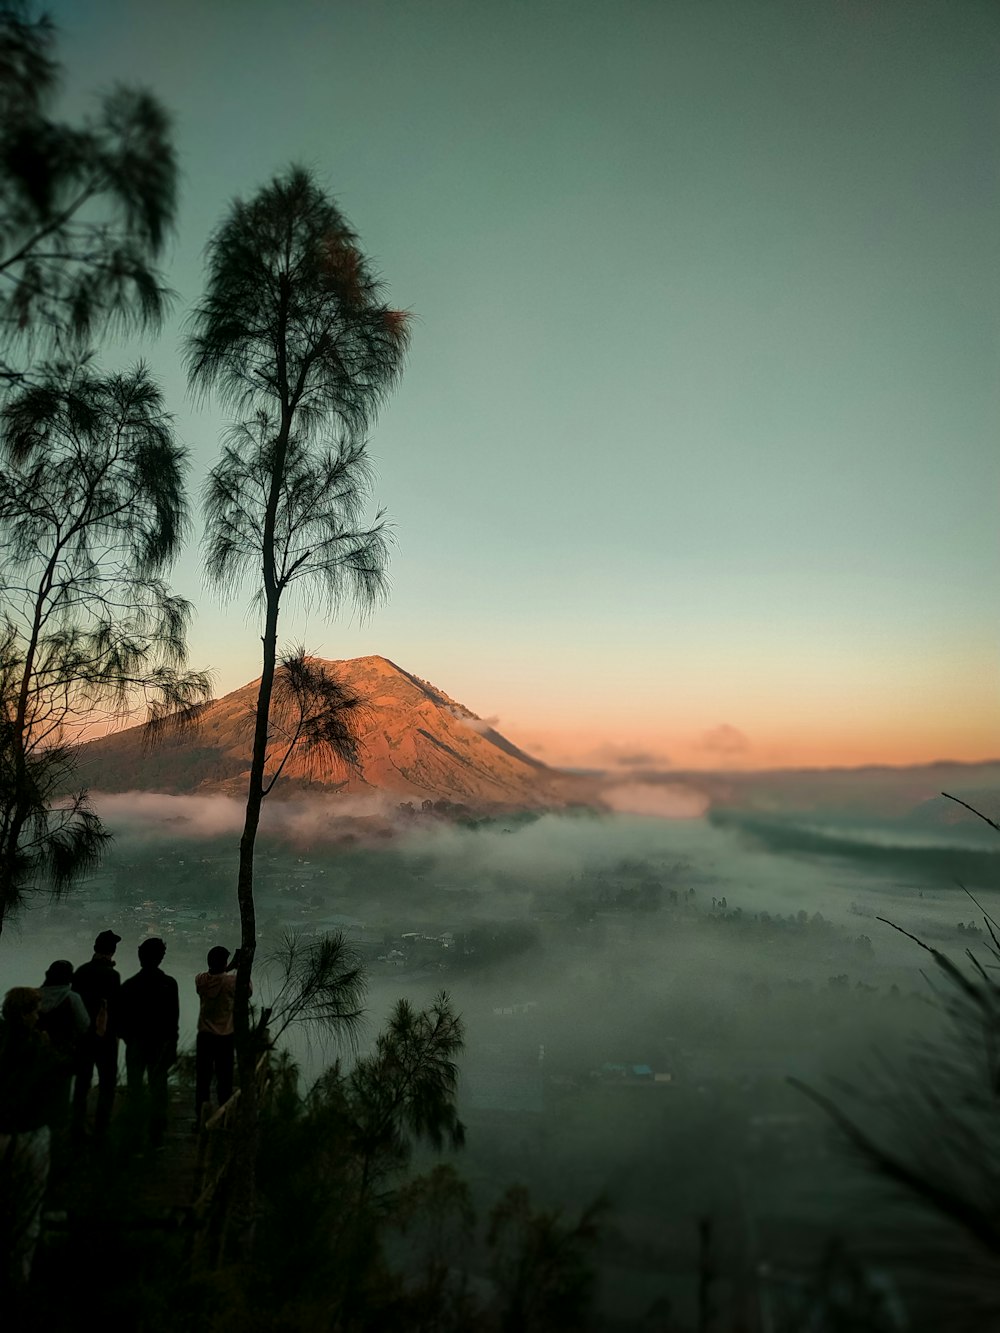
(153, 814)
(725, 739)
(479, 724)
(669, 800)
(139, 812)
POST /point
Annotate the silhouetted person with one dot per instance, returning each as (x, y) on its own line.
(64, 1019)
(62, 1015)
(148, 1022)
(97, 984)
(215, 1043)
(30, 1075)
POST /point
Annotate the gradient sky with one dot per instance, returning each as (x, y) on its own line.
(695, 458)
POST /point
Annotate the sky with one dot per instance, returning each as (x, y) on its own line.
(695, 455)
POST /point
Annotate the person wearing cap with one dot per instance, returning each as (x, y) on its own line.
(97, 984)
(215, 1043)
(148, 1017)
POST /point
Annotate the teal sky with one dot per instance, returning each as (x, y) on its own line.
(699, 427)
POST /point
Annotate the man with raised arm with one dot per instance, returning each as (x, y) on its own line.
(215, 1044)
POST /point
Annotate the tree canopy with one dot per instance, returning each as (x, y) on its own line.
(92, 513)
(293, 316)
(84, 209)
(92, 503)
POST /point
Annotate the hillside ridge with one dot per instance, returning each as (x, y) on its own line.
(415, 743)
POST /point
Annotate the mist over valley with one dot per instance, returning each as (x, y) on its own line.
(637, 989)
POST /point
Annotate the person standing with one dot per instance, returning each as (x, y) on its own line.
(97, 984)
(63, 1015)
(64, 1020)
(30, 1075)
(215, 1043)
(149, 1022)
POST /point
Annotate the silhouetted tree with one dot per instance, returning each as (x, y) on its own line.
(329, 1156)
(931, 1128)
(434, 1213)
(405, 1090)
(92, 511)
(293, 334)
(320, 984)
(84, 210)
(941, 1117)
(541, 1264)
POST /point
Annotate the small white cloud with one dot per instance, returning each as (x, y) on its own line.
(479, 724)
(725, 739)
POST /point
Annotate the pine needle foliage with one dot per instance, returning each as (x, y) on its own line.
(334, 1155)
(405, 1090)
(92, 514)
(928, 1125)
(320, 984)
(542, 1264)
(314, 716)
(320, 542)
(294, 314)
(84, 209)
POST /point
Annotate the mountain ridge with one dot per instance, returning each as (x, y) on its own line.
(415, 743)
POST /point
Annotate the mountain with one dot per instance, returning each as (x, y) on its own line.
(416, 744)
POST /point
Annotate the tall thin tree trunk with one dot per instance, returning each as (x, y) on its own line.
(248, 1035)
(248, 1038)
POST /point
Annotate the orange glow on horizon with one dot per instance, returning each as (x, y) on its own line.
(660, 751)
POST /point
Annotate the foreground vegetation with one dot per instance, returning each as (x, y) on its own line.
(373, 1213)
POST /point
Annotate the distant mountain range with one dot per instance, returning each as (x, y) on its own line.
(416, 744)
(910, 793)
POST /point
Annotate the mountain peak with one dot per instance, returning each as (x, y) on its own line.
(415, 743)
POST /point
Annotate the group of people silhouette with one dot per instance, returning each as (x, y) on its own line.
(56, 1037)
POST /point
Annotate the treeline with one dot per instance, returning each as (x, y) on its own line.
(346, 1235)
